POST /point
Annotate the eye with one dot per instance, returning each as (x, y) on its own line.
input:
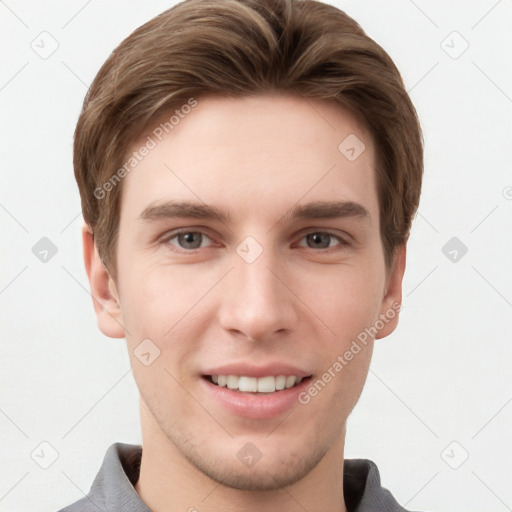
(322, 240)
(188, 240)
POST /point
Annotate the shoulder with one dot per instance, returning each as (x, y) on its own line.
(82, 505)
(112, 489)
(363, 490)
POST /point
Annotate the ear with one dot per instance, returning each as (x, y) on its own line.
(392, 301)
(103, 289)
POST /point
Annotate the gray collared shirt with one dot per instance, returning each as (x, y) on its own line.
(113, 491)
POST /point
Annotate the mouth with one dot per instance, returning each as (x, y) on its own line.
(268, 385)
(255, 392)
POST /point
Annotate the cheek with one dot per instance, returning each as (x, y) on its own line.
(335, 391)
(164, 306)
(348, 302)
(158, 300)
(345, 299)
(156, 310)
(351, 378)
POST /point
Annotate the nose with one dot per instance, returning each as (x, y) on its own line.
(257, 301)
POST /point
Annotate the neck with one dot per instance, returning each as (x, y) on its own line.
(169, 482)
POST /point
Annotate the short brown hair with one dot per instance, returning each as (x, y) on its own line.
(239, 48)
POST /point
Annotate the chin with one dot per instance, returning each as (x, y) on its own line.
(271, 472)
(261, 479)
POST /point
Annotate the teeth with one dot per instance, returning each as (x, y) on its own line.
(290, 381)
(252, 384)
(280, 382)
(266, 385)
(232, 382)
(247, 384)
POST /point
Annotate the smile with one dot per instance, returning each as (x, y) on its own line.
(268, 384)
(255, 397)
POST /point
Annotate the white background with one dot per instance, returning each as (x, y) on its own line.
(443, 376)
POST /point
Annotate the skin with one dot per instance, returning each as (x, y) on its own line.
(297, 302)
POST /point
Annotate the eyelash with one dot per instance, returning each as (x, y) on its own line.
(342, 242)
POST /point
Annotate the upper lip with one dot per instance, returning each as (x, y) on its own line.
(244, 369)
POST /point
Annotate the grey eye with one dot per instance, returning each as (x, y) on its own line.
(191, 240)
(319, 240)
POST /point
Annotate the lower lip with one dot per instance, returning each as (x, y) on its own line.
(256, 405)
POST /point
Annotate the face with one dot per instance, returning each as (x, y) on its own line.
(276, 271)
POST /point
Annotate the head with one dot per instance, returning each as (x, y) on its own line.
(294, 128)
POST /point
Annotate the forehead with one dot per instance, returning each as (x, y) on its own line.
(258, 152)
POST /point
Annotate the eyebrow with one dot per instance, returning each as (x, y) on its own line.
(312, 210)
(329, 210)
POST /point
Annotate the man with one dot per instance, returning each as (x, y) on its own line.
(248, 171)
